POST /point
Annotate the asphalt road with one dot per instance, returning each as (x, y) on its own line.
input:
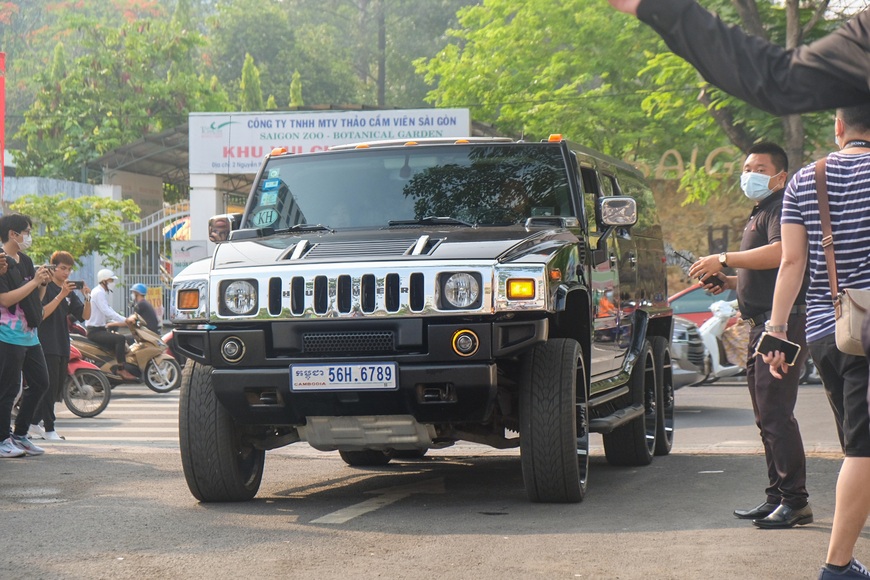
(111, 502)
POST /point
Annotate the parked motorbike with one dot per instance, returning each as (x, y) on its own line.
(718, 365)
(87, 390)
(147, 359)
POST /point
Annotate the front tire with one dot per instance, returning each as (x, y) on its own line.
(554, 433)
(87, 392)
(635, 442)
(219, 464)
(162, 375)
(665, 400)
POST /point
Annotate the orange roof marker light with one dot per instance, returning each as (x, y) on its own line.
(278, 151)
(362, 146)
(411, 143)
(461, 142)
(555, 138)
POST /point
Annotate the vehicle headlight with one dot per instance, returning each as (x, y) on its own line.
(240, 297)
(461, 290)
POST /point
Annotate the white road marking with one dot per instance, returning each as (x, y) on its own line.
(385, 497)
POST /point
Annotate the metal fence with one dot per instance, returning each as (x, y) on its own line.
(150, 265)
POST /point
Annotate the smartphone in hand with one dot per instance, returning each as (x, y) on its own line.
(714, 280)
(78, 284)
(768, 344)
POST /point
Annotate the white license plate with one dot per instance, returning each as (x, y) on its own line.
(347, 376)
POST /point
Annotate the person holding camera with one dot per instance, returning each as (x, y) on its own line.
(765, 173)
(59, 302)
(20, 352)
(845, 376)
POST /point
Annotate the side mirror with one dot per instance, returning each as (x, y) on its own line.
(618, 211)
(220, 226)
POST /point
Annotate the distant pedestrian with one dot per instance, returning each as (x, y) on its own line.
(60, 302)
(20, 353)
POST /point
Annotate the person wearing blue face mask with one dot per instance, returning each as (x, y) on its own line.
(765, 173)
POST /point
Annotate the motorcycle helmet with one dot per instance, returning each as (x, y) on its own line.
(139, 289)
(105, 274)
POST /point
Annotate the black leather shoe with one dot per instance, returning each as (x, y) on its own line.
(758, 512)
(786, 517)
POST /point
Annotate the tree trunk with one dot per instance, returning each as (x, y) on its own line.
(382, 53)
(793, 125)
(738, 136)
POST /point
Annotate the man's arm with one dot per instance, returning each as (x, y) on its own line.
(788, 284)
(765, 257)
(829, 73)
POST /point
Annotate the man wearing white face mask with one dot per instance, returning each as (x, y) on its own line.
(765, 173)
(103, 317)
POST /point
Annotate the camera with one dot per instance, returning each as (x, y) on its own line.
(78, 284)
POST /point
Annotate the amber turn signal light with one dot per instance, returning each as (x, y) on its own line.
(188, 299)
(521, 289)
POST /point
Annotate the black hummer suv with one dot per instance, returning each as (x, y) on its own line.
(385, 299)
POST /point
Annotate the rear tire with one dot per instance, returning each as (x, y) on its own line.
(219, 464)
(634, 443)
(664, 396)
(554, 427)
(365, 458)
(87, 393)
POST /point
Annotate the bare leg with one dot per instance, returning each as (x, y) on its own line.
(852, 509)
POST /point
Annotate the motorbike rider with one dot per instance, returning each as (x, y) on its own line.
(103, 317)
(143, 308)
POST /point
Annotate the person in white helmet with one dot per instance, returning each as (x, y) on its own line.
(103, 317)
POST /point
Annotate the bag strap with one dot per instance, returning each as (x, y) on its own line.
(827, 234)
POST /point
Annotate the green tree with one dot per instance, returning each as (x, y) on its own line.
(251, 91)
(296, 90)
(120, 88)
(81, 226)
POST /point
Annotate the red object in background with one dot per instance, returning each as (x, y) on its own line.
(2, 130)
(694, 302)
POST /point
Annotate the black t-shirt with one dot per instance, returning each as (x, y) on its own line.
(54, 330)
(16, 276)
(755, 287)
(144, 309)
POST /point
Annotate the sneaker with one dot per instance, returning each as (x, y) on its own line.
(25, 444)
(53, 436)
(855, 570)
(36, 432)
(9, 449)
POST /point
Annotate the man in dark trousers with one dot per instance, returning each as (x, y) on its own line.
(59, 302)
(833, 71)
(765, 173)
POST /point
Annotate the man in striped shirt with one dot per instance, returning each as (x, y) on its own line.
(845, 376)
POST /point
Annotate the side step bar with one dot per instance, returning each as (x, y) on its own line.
(617, 419)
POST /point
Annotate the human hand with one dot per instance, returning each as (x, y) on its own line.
(776, 359)
(3, 265)
(43, 275)
(705, 267)
(627, 6)
(66, 288)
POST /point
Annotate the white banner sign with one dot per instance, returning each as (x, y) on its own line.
(237, 142)
(185, 253)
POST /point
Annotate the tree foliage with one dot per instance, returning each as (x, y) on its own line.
(120, 87)
(80, 226)
(251, 90)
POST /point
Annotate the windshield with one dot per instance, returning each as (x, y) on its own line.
(477, 184)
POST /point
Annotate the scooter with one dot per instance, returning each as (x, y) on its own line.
(147, 359)
(711, 334)
(87, 390)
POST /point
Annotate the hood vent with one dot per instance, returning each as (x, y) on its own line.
(372, 248)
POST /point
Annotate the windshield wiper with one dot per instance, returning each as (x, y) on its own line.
(431, 220)
(305, 228)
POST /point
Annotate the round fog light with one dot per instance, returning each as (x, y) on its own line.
(232, 349)
(465, 342)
